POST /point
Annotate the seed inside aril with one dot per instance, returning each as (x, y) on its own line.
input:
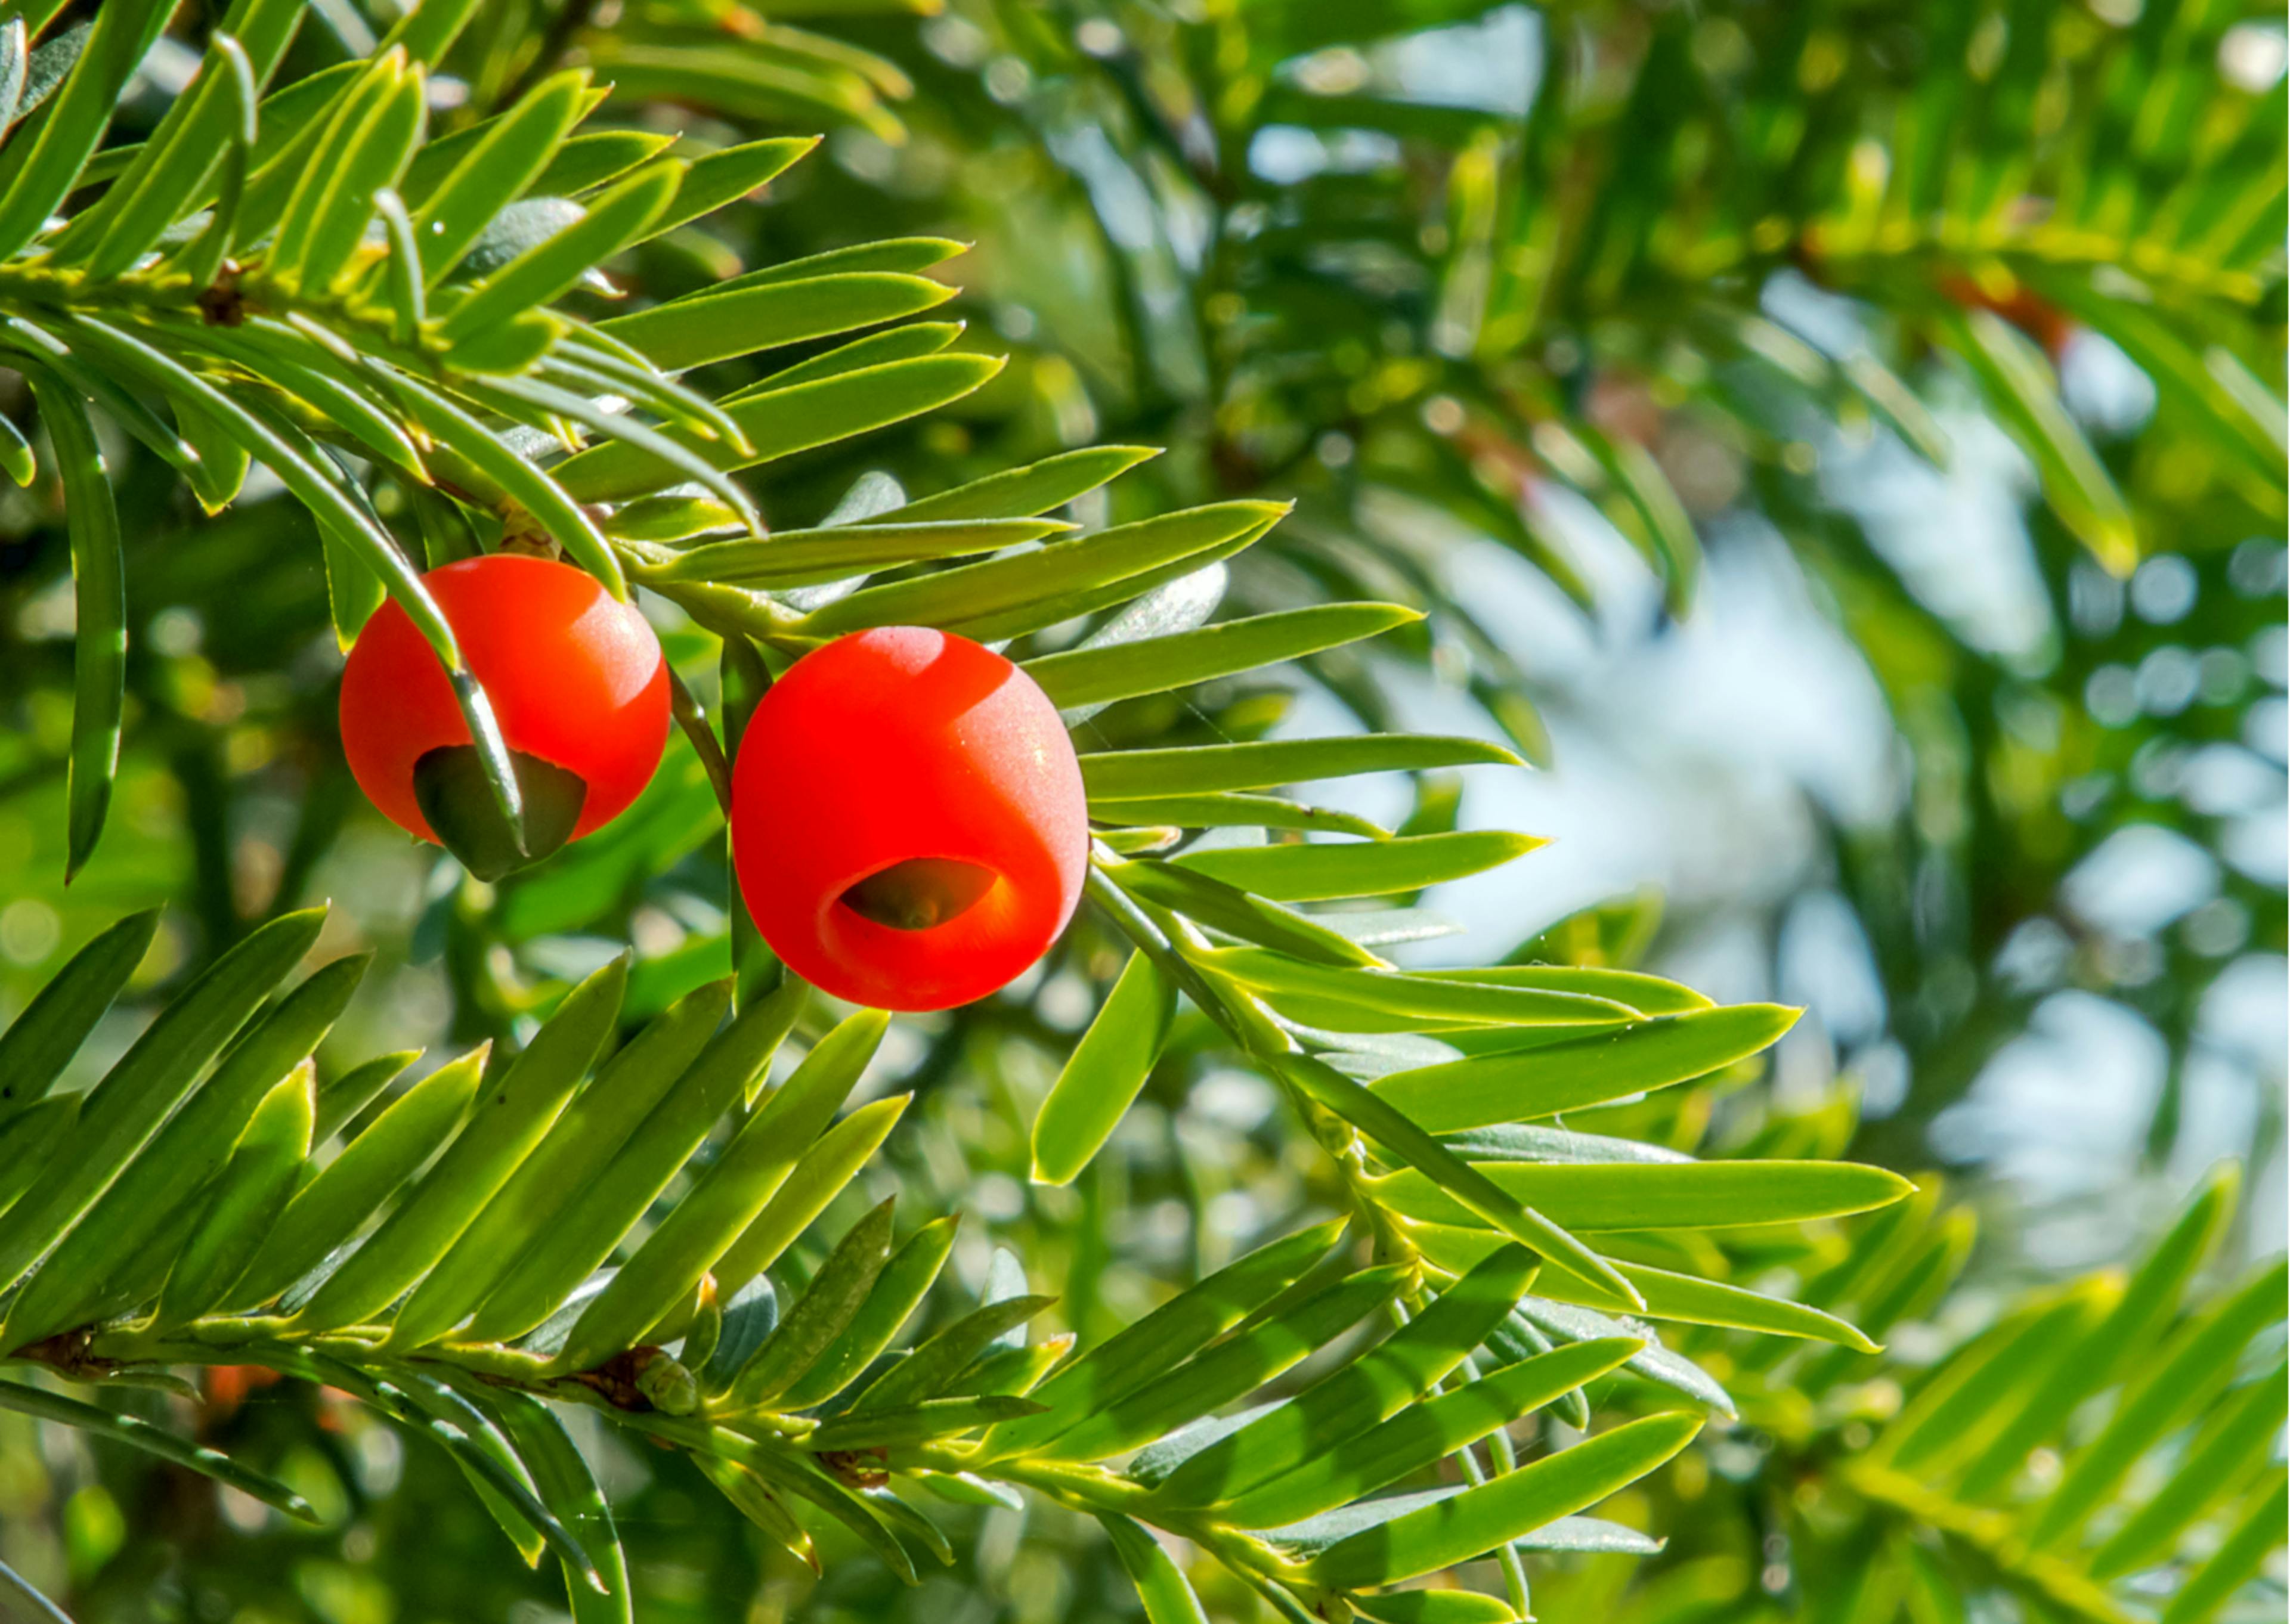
(919, 893)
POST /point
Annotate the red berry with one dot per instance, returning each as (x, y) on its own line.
(907, 820)
(576, 680)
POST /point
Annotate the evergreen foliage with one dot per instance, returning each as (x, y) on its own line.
(451, 289)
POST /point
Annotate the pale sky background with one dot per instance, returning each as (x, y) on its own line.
(1695, 759)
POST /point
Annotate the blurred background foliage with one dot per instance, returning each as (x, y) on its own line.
(1840, 442)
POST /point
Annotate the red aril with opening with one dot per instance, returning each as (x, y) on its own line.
(576, 680)
(907, 820)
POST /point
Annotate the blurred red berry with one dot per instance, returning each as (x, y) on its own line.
(228, 1385)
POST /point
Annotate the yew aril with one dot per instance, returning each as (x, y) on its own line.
(575, 678)
(907, 820)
